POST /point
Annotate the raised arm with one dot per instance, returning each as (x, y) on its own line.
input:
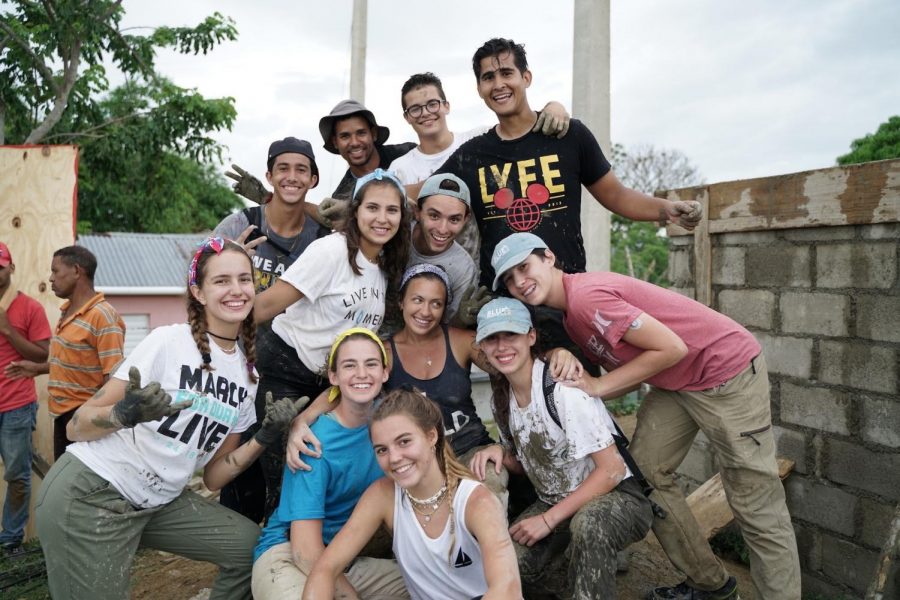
(486, 519)
(301, 436)
(274, 300)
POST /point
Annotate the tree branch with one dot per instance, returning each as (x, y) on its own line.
(39, 64)
(62, 97)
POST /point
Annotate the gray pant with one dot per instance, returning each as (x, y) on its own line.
(578, 558)
(89, 534)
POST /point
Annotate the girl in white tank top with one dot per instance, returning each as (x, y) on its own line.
(450, 535)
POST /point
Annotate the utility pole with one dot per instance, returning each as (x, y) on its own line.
(590, 104)
(358, 51)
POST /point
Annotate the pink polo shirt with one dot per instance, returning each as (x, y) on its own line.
(601, 306)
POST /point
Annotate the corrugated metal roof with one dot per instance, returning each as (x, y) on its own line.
(141, 259)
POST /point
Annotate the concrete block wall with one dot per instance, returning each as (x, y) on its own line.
(824, 303)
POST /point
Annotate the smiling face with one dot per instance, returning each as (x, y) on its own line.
(405, 453)
(291, 177)
(354, 139)
(427, 123)
(502, 86)
(378, 216)
(358, 370)
(531, 280)
(439, 221)
(226, 290)
(423, 304)
(509, 352)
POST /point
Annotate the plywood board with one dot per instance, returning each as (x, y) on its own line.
(38, 191)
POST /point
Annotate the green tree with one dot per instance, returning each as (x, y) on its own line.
(146, 150)
(881, 145)
(641, 249)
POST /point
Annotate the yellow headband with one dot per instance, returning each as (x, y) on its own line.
(335, 391)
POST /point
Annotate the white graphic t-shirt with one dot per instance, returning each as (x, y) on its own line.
(334, 299)
(151, 463)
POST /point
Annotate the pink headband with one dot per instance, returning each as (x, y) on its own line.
(217, 244)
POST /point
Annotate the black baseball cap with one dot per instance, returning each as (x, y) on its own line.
(292, 144)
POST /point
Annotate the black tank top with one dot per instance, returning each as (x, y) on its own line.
(452, 391)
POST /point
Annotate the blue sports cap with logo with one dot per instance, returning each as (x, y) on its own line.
(502, 315)
(512, 250)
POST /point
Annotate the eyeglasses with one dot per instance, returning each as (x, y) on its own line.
(415, 111)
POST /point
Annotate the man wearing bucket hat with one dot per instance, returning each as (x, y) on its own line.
(707, 374)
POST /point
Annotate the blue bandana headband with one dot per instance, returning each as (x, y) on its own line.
(380, 175)
(428, 268)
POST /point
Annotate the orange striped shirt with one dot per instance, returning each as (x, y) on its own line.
(86, 348)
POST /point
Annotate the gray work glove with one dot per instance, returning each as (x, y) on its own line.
(332, 212)
(278, 418)
(248, 186)
(470, 303)
(552, 121)
(686, 213)
(143, 404)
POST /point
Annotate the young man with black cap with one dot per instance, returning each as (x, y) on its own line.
(276, 234)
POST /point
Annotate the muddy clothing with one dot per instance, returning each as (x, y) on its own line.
(89, 533)
(451, 389)
(424, 561)
(736, 417)
(387, 153)
(577, 560)
(542, 176)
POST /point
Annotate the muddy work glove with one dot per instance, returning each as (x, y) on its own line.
(331, 212)
(686, 213)
(143, 404)
(248, 186)
(470, 303)
(278, 418)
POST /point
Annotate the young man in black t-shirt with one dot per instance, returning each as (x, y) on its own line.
(523, 181)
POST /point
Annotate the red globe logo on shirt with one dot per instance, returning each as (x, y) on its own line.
(522, 214)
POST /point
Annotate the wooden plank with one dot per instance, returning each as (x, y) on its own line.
(38, 187)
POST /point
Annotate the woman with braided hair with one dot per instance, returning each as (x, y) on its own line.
(449, 531)
(177, 404)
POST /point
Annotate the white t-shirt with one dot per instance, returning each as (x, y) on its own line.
(151, 463)
(429, 569)
(334, 299)
(558, 459)
(416, 166)
(460, 269)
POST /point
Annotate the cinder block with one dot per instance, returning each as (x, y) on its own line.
(859, 265)
(751, 308)
(747, 238)
(816, 407)
(848, 563)
(821, 505)
(807, 547)
(880, 231)
(679, 272)
(778, 265)
(815, 588)
(814, 313)
(821, 234)
(876, 522)
(681, 240)
(791, 444)
(878, 318)
(787, 355)
(880, 422)
(728, 265)
(853, 465)
(859, 365)
(687, 292)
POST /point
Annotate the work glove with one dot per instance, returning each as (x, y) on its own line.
(331, 212)
(144, 404)
(248, 186)
(553, 120)
(279, 415)
(686, 213)
(470, 303)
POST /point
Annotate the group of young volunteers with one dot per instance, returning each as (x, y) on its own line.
(402, 491)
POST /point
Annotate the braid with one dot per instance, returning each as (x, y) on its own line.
(248, 333)
(197, 321)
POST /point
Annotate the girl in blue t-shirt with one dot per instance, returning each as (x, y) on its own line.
(315, 504)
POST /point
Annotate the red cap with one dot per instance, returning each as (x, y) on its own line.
(5, 256)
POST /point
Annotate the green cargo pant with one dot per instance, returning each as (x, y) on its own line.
(736, 417)
(89, 534)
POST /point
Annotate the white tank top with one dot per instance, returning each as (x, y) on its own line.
(424, 561)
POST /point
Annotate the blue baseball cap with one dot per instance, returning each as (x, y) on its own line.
(432, 187)
(502, 315)
(512, 250)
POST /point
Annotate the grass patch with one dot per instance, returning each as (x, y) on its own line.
(24, 576)
(729, 543)
(624, 405)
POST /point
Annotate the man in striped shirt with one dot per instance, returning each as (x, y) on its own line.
(87, 342)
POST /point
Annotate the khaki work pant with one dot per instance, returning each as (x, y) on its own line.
(89, 534)
(737, 419)
(276, 576)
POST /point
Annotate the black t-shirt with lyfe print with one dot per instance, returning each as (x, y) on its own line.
(532, 184)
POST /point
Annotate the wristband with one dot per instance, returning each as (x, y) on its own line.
(546, 523)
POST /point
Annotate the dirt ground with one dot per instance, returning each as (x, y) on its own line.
(159, 575)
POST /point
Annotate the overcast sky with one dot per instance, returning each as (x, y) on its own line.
(743, 89)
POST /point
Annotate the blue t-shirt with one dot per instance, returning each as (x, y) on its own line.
(331, 490)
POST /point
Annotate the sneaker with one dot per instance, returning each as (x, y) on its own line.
(683, 591)
(11, 550)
